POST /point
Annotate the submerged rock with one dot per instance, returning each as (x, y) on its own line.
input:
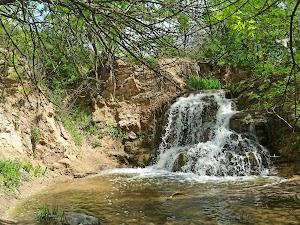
(80, 219)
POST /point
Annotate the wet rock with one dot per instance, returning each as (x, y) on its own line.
(80, 219)
(82, 175)
(181, 161)
(241, 122)
(251, 124)
(253, 162)
(234, 137)
(228, 94)
(176, 195)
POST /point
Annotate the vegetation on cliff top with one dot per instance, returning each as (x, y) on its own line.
(199, 83)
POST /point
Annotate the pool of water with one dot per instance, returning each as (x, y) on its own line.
(147, 196)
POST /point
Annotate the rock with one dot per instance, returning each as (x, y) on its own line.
(82, 175)
(8, 222)
(128, 147)
(177, 194)
(129, 117)
(251, 124)
(50, 114)
(241, 122)
(143, 159)
(253, 162)
(228, 94)
(103, 113)
(66, 162)
(181, 161)
(132, 136)
(56, 166)
(42, 142)
(10, 139)
(131, 87)
(131, 97)
(175, 69)
(80, 219)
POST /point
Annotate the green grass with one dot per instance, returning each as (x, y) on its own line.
(78, 122)
(35, 134)
(13, 172)
(46, 215)
(72, 128)
(96, 143)
(203, 83)
(115, 131)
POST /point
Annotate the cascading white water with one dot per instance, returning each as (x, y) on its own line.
(198, 139)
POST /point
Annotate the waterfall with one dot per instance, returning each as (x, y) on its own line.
(198, 139)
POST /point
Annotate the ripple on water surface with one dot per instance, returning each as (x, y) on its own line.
(145, 196)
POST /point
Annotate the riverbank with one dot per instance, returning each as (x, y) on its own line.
(8, 199)
(27, 189)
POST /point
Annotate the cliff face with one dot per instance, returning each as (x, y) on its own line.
(134, 97)
(125, 112)
(30, 130)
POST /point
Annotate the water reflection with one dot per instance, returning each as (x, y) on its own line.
(129, 198)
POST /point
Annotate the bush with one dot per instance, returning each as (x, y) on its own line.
(115, 131)
(203, 83)
(78, 123)
(10, 173)
(13, 172)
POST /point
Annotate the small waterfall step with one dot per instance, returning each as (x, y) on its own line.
(197, 139)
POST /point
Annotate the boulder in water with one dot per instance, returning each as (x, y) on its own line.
(80, 219)
(181, 161)
(254, 164)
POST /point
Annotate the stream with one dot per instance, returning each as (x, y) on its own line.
(205, 173)
(145, 196)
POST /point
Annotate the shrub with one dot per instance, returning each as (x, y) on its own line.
(203, 83)
(78, 122)
(10, 173)
(115, 131)
(13, 172)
